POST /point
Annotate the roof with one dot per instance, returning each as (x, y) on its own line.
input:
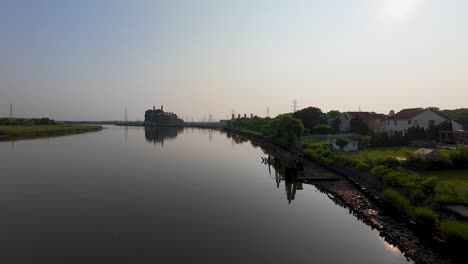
(424, 151)
(367, 115)
(407, 113)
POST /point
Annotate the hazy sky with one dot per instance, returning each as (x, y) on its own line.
(88, 60)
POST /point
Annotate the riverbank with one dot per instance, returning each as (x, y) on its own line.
(9, 132)
(412, 240)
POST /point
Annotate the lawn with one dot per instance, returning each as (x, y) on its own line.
(17, 131)
(380, 153)
(385, 152)
(454, 177)
(316, 141)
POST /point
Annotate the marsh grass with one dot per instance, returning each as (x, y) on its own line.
(18, 131)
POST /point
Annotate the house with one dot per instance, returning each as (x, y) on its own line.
(375, 122)
(450, 132)
(412, 117)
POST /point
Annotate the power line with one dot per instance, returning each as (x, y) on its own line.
(11, 111)
(295, 105)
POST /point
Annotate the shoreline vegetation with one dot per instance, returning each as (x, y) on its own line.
(39, 127)
(405, 191)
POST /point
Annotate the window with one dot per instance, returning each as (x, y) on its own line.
(388, 122)
(395, 122)
(409, 122)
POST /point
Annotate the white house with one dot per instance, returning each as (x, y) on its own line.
(412, 117)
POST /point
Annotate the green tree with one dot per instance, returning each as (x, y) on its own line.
(289, 128)
(322, 129)
(336, 123)
(333, 114)
(358, 126)
(310, 117)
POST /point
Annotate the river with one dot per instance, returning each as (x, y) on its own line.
(130, 195)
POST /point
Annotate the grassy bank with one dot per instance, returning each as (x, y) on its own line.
(44, 130)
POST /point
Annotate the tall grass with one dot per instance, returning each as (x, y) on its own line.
(41, 130)
(455, 231)
(425, 215)
(398, 200)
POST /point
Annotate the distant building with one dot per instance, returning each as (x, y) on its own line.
(375, 122)
(157, 117)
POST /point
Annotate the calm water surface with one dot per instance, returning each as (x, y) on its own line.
(166, 196)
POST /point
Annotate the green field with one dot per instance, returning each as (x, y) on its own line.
(316, 141)
(385, 152)
(379, 153)
(38, 130)
(457, 178)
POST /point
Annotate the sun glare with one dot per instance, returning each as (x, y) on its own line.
(399, 9)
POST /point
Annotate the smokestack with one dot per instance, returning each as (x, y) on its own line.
(162, 108)
(238, 115)
(245, 115)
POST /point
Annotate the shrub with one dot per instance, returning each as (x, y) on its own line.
(325, 161)
(380, 170)
(425, 215)
(455, 231)
(449, 194)
(362, 166)
(311, 154)
(341, 142)
(390, 162)
(322, 129)
(430, 184)
(397, 199)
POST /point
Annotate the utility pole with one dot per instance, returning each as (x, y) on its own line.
(126, 116)
(295, 105)
(10, 116)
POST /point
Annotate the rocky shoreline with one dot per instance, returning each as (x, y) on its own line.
(417, 246)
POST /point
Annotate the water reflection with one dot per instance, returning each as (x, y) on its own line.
(285, 170)
(161, 134)
(140, 204)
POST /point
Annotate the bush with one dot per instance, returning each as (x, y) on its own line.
(459, 157)
(322, 129)
(311, 154)
(430, 184)
(449, 194)
(325, 161)
(390, 162)
(455, 231)
(341, 142)
(426, 216)
(362, 166)
(380, 170)
(397, 199)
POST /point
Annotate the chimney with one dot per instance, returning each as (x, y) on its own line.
(245, 115)
(154, 108)
(162, 108)
(251, 115)
(233, 116)
(238, 115)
